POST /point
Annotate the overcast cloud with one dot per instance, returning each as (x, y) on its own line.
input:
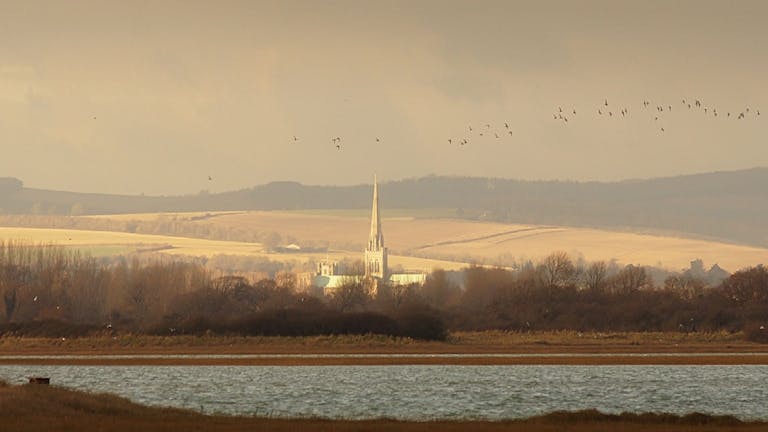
(154, 97)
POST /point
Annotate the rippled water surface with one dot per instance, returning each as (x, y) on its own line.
(422, 392)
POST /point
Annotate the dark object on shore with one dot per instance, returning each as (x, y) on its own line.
(39, 380)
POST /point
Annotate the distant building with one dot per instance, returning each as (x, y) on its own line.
(375, 262)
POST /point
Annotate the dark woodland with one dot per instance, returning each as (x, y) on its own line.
(49, 291)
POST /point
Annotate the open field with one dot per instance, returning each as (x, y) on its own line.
(484, 242)
(41, 407)
(100, 243)
(415, 243)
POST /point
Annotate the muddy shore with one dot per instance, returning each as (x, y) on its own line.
(481, 348)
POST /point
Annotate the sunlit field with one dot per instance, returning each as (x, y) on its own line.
(105, 243)
(467, 241)
(417, 240)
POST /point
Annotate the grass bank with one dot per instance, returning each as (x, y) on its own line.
(39, 407)
(479, 348)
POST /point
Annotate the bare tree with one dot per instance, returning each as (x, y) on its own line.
(349, 295)
(9, 298)
(595, 276)
(557, 270)
(630, 279)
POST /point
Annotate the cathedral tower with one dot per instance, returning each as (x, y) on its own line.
(376, 253)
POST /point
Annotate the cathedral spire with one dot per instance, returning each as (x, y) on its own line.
(376, 239)
(376, 253)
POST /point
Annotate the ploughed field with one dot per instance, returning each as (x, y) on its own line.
(416, 243)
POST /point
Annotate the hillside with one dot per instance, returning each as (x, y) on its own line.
(723, 205)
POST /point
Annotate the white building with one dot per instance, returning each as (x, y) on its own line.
(375, 261)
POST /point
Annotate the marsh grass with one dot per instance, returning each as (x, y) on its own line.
(487, 342)
(35, 408)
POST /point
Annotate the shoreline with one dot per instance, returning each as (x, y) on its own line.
(471, 348)
(374, 360)
(41, 407)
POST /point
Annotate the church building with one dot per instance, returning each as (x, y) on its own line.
(375, 261)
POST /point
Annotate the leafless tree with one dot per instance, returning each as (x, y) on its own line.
(595, 276)
(630, 279)
(349, 295)
(557, 270)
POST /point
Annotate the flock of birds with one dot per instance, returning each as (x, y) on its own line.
(659, 112)
(484, 131)
(604, 110)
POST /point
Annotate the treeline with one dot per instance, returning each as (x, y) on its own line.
(51, 291)
(47, 290)
(556, 295)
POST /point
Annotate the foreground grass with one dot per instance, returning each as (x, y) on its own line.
(39, 407)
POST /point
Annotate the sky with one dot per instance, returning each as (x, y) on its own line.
(175, 97)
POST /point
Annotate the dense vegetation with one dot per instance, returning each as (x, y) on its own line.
(46, 290)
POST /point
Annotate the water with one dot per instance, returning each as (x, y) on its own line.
(422, 392)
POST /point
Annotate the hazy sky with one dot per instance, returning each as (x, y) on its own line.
(156, 96)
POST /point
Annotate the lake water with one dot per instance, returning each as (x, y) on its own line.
(423, 392)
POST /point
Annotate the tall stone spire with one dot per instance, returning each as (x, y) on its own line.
(376, 239)
(376, 253)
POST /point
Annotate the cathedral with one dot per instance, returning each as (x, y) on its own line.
(375, 262)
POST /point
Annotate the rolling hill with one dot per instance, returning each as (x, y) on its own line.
(728, 206)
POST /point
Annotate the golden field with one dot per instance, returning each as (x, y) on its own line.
(110, 242)
(421, 243)
(464, 241)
